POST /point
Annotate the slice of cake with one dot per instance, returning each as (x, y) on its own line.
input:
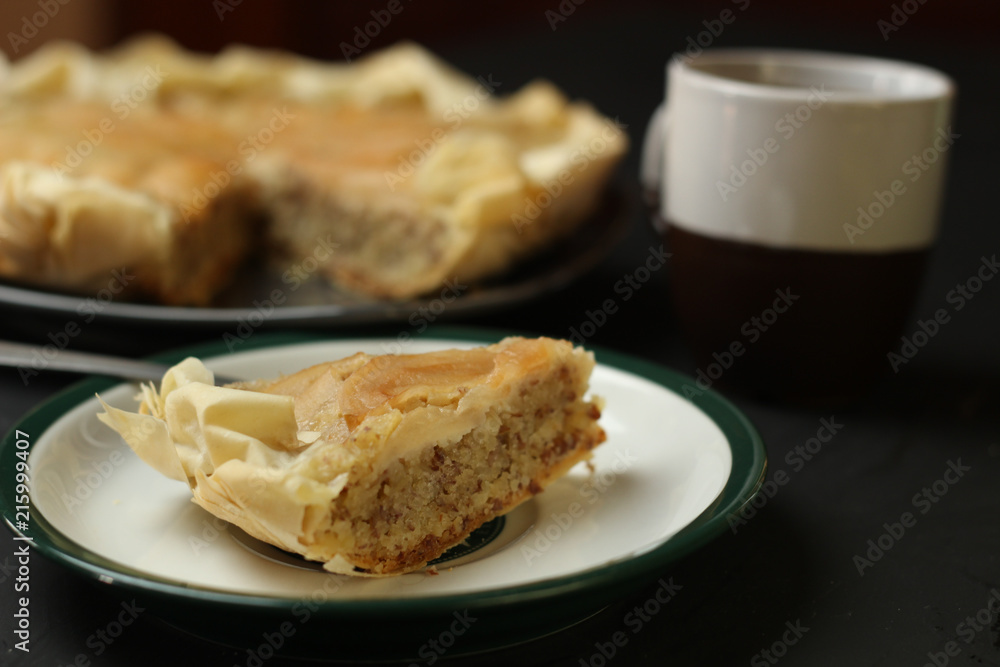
(372, 465)
(176, 166)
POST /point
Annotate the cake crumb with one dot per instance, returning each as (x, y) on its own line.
(432, 571)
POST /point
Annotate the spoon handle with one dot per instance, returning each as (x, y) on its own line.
(32, 357)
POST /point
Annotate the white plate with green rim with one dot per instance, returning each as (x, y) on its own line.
(669, 476)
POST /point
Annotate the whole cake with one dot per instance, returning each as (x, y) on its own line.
(177, 167)
(372, 465)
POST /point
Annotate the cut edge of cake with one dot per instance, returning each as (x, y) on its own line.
(508, 210)
(372, 465)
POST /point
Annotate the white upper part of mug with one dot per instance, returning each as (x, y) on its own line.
(802, 150)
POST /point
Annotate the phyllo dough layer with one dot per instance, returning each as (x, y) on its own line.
(178, 166)
(373, 465)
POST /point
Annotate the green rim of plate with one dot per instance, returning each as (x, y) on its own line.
(746, 476)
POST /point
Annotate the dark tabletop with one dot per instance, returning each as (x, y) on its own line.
(786, 587)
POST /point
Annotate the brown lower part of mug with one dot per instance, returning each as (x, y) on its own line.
(799, 326)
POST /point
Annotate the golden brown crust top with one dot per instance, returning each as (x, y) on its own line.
(271, 456)
(363, 386)
(398, 135)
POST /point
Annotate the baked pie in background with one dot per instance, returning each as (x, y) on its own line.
(180, 167)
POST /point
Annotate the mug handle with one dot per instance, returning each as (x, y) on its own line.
(653, 164)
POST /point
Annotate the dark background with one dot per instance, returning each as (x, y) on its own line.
(793, 561)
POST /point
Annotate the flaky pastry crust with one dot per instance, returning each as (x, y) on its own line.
(161, 161)
(372, 465)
